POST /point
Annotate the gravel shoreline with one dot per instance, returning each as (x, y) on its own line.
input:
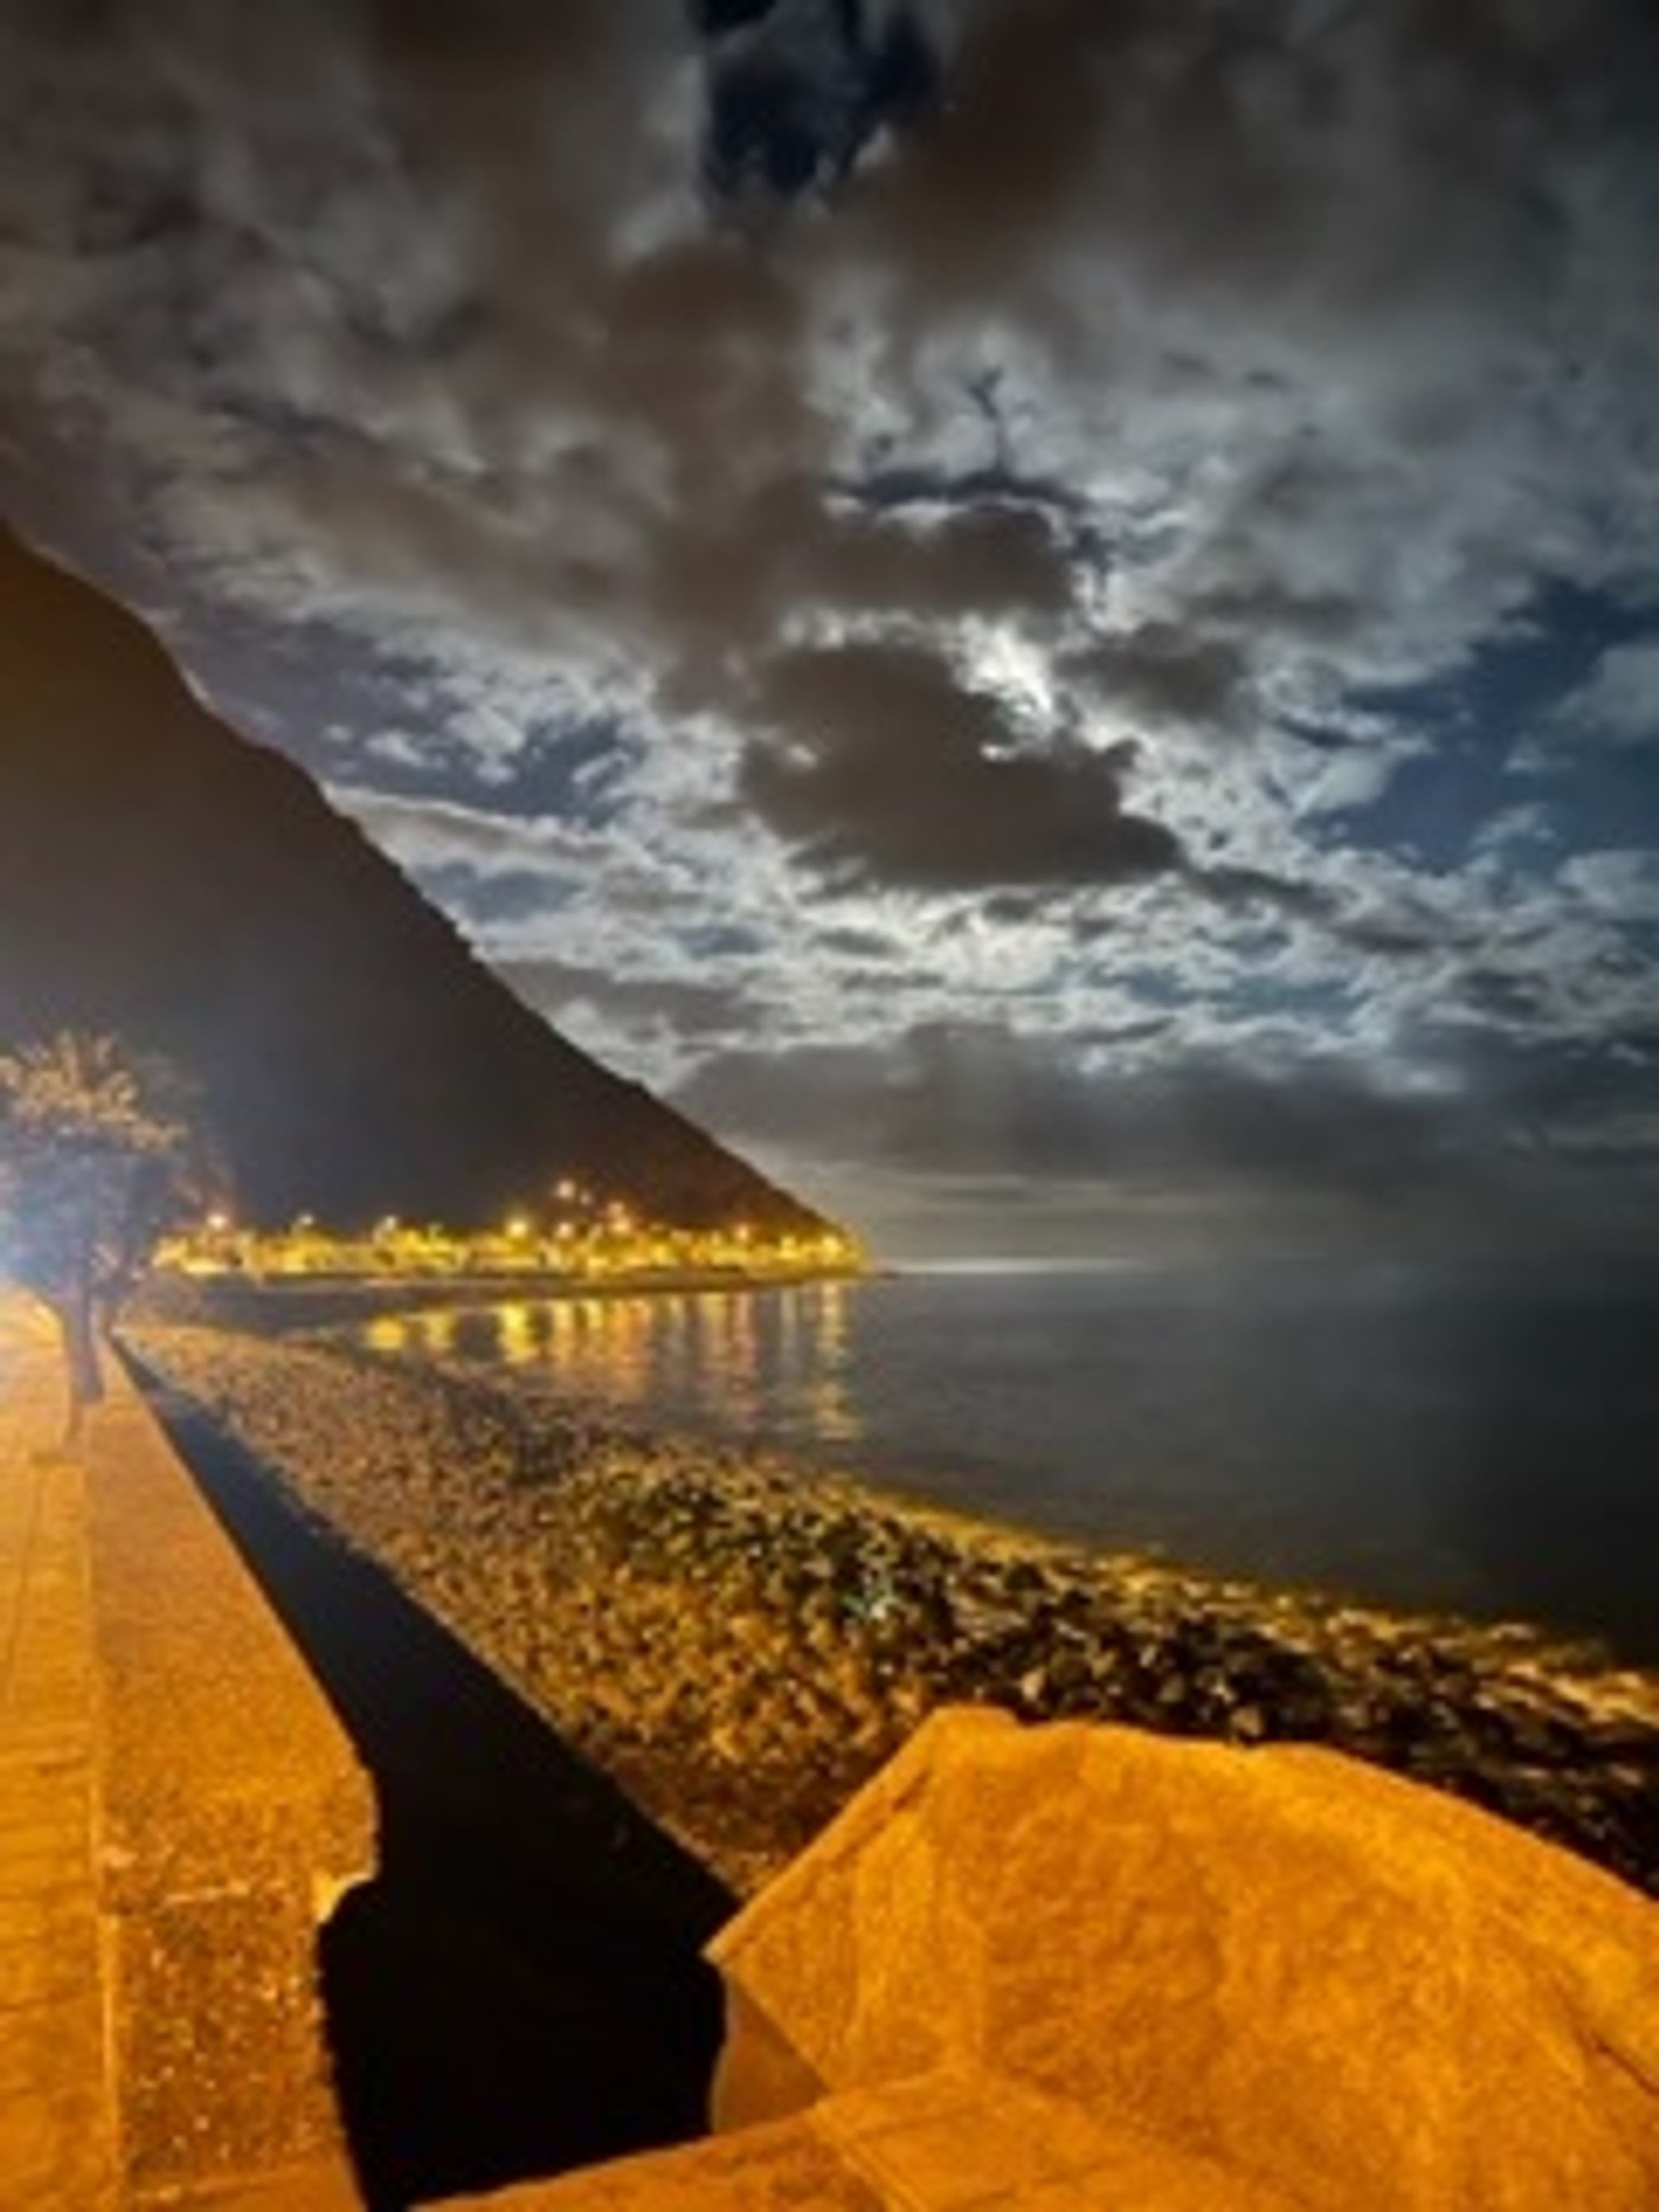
(741, 1642)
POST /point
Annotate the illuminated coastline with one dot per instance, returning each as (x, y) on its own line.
(581, 1238)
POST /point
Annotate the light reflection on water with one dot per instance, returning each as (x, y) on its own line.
(1476, 1438)
(731, 1359)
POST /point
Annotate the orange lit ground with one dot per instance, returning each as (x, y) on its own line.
(56, 2116)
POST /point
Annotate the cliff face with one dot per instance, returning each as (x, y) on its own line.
(163, 879)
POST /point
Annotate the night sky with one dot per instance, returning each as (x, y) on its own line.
(1045, 611)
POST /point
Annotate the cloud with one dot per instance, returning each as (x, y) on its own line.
(1163, 671)
(881, 766)
(452, 321)
(1500, 1133)
(1620, 704)
(1622, 884)
(798, 90)
(986, 459)
(976, 1099)
(692, 1008)
(1239, 291)
(425, 834)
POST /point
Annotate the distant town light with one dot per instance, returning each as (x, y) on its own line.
(613, 1238)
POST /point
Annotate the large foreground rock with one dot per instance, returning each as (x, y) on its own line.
(1337, 1985)
(936, 2143)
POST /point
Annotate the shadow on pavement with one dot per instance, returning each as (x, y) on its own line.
(520, 1991)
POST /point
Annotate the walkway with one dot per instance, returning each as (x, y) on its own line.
(56, 2105)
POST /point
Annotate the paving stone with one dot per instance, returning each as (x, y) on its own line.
(56, 2116)
(31, 1975)
(28, 2139)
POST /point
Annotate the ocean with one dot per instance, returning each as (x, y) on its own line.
(1475, 1439)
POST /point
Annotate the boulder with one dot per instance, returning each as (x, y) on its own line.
(1334, 1985)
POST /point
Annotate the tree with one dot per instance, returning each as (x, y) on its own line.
(98, 1158)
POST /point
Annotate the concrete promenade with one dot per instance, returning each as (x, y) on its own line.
(57, 2128)
(179, 1810)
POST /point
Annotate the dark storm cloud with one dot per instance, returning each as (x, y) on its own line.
(1244, 146)
(736, 571)
(1504, 1127)
(981, 560)
(970, 1099)
(1577, 1102)
(884, 768)
(1163, 671)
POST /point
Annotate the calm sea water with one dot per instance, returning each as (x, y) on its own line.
(1478, 1440)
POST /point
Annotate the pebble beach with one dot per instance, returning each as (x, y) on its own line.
(739, 1641)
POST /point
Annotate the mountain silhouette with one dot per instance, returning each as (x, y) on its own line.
(166, 879)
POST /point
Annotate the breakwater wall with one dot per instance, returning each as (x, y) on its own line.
(742, 1643)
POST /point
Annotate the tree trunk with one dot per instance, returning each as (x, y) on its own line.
(81, 1364)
